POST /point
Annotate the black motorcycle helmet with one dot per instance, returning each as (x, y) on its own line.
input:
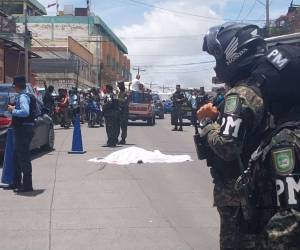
(236, 48)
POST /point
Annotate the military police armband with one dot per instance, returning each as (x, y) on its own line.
(287, 179)
(283, 160)
(232, 118)
(277, 58)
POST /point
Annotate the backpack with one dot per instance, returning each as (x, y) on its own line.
(278, 75)
(34, 107)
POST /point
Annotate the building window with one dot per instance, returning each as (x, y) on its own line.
(114, 64)
(12, 9)
(108, 61)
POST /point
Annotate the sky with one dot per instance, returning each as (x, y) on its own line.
(164, 37)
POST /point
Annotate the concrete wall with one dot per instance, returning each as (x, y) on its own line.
(79, 50)
(62, 80)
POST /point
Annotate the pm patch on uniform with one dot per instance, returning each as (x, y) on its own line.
(284, 161)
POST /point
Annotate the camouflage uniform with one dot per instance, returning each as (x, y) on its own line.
(123, 99)
(280, 159)
(178, 99)
(234, 136)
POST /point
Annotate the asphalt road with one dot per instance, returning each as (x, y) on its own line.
(80, 205)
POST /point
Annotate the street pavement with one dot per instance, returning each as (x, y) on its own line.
(80, 205)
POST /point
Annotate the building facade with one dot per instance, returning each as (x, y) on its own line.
(286, 24)
(12, 56)
(16, 7)
(65, 66)
(110, 62)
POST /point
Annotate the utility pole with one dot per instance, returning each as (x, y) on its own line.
(268, 17)
(78, 72)
(98, 65)
(88, 7)
(138, 69)
(152, 84)
(26, 42)
(57, 8)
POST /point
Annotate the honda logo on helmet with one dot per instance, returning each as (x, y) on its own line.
(231, 51)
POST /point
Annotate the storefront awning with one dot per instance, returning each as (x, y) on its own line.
(15, 45)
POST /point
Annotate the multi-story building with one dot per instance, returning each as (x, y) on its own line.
(12, 56)
(64, 66)
(289, 23)
(16, 7)
(110, 62)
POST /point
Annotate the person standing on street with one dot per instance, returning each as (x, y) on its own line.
(233, 131)
(23, 116)
(178, 99)
(48, 100)
(112, 117)
(202, 98)
(123, 99)
(194, 103)
(95, 95)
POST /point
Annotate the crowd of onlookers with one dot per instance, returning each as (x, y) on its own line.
(66, 104)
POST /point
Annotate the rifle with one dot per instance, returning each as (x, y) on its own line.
(245, 185)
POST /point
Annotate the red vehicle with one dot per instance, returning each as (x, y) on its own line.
(141, 107)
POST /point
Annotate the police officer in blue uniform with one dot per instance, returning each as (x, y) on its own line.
(23, 124)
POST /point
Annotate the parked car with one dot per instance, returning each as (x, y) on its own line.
(43, 130)
(141, 107)
(168, 106)
(186, 107)
(158, 106)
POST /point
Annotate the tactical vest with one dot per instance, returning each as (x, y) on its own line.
(20, 121)
(110, 106)
(123, 100)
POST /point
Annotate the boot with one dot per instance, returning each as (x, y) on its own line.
(27, 183)
(23, 190)
(122, 142)
(175, 129)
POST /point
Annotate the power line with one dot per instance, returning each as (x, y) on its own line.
(177, 72)
(196, 37)
(175, 65)
(251, 9)
(137, 55)
(185, 13)
(47, 48)
(241, 10)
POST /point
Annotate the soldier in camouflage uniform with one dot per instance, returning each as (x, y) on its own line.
(123, 99)
(178, 99)
(277, 187)
(112, 117)
(234, 131)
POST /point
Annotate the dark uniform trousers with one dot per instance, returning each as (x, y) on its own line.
(21, 156)
(112, 121)
(178, 116)
(124, 125)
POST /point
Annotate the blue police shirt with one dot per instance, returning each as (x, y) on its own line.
(22, 102)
